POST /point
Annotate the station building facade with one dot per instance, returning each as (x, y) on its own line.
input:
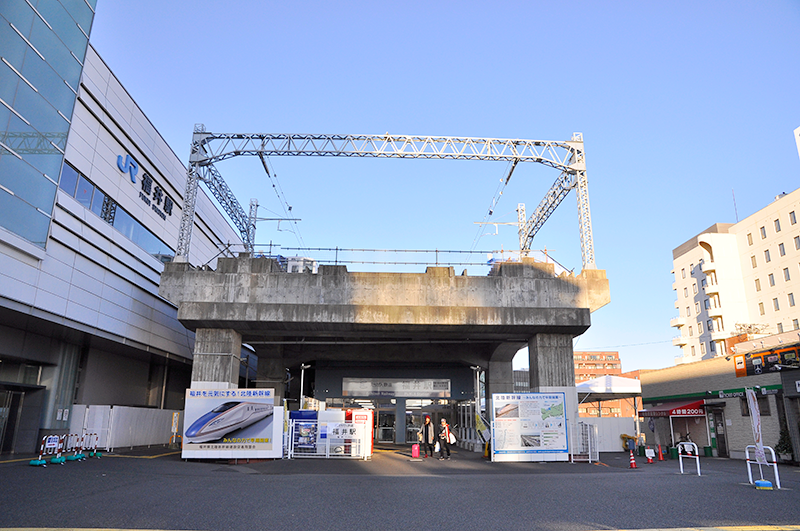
(90, 204)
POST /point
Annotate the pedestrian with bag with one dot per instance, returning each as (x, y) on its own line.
(446, 438)
(427, 436)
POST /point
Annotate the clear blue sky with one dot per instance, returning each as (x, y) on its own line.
(682, 106)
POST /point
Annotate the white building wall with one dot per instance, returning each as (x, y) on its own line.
(749, 273)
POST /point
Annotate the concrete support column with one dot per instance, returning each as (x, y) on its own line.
(499, 379)
(217, 355)
(271, 374)
(400, 420)
(551, 361)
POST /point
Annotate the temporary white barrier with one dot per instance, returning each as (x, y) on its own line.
(328, 440)
(688, 450)
(122, 426)
(773, 464)
(584, 446)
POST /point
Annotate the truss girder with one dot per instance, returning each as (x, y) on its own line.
(216, 147)
(34, 143)
(209, 148)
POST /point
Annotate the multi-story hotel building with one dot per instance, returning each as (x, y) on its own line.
(90, 204)
(741, 278)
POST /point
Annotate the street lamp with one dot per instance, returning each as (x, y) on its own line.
(303, 368)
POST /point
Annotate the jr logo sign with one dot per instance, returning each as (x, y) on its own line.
(128, 165)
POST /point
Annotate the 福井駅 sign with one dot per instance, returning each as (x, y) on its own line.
(232, 423)
(528, 425)
(396, 387)
(151, 193)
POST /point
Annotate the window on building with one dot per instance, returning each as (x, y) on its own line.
(763, 406)
(796, 323)
(706, 304)
(777, 225)
(771, 279)
(697, 307)
(761, 308)
(712, 346)
(691, 331)
(700, 328)
(791, 299)
(766, 255)
(758, 284)
(702, 282)
(786, 276)
(753, 261)
(683, 273)
(685, 292)
(782, 249)
(710, 325)
(780, 328)
(702, 348)
(792, 217)
(749, 238)
(763, 232)
(688, 312)
(694, 288)
(797, 242)
(693, 352)
(776, 305)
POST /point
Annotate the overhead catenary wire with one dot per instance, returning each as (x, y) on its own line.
(498, 193)
(276, 186)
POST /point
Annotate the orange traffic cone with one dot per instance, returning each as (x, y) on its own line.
(660, 455)
(633, 461)
(649, 456)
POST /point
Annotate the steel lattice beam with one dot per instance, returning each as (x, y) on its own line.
(209, 148)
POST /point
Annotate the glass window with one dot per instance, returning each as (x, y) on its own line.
(62, 23)
(776, 305)
(780, 328)
(702, 348)
(688, 312)
(753, 261)
(14, 50)
(693, 352)
(749, 238)
(23, 220)
(81, 12)
(84, 192)
(18, 13)
(97, 202)
(763, 232)
(697, 307)
(694, 288)
(771, 279)
(710, 325)
(712, 346)
(49, 84)
(691, 331)
(761, 308)
(51, 47)
(796, 323)
(797, 242)
(763, 406)
(699, 328)
(758, 284)
(791, 299)
(777, 225)
(766, 256)
(27, 183)
(683, 273)
(706, 304)
(69, 179)
(685, 292)
(786, 274)
(792, 217)
(782, 249)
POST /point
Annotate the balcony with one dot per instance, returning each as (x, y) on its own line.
(707, 267)
(710, 290)
(678, 341)
(677, 322)
(719, 335)
(715, 312)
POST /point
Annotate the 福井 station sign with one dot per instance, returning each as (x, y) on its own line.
(151, 193)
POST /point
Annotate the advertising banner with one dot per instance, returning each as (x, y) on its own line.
(232, 423)
(528, 426)
(755, 419)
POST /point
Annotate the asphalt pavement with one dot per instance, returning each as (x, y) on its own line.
(155, 489)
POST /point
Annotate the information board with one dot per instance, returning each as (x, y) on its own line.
(528, 426)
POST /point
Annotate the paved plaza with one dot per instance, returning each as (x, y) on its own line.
(155, 489)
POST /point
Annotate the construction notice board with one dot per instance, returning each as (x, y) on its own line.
(529, 427)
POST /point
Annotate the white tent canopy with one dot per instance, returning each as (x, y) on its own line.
(608, 388)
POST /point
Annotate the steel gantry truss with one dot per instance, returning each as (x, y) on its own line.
(209, 148)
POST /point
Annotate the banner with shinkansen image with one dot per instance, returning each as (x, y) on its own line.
(529, 426)
(232, 423)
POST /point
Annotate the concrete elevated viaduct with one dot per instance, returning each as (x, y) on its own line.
(383, 325)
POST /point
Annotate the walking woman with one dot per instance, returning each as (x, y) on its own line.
(427, 436)
(444, 440)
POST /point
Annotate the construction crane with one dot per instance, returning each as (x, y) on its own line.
(209, 148)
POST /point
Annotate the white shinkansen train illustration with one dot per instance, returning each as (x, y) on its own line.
(226, 418)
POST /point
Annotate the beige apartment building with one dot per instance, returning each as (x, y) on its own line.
(741, 278)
